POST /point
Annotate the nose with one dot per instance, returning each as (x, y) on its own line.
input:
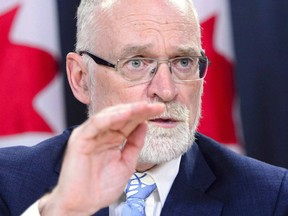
(162, 84)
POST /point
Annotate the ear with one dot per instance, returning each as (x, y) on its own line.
(78, 77)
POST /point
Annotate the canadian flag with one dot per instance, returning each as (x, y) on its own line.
(219, 100)
(31, 93)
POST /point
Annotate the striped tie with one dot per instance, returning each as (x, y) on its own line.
(139, 187)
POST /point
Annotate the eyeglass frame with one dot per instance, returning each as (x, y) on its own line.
(202, 59)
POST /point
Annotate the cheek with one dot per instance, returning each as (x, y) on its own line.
(111, 89)
(103, 91)
(192, 99)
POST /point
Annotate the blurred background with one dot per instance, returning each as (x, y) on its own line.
(245, 102)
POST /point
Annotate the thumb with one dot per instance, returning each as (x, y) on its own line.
(133, 146)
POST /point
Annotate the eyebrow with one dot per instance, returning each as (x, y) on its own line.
(131, 49)
(187, 51)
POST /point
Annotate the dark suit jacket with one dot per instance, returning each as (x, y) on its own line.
(211, 180)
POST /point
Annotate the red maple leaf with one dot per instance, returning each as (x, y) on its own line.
(24, 72)
(219, 92)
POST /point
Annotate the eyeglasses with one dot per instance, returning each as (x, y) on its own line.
(139, 69)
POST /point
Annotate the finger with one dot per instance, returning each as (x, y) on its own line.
(95, 126)
(124, 119)
(115, 118)
(133, 146)
(109, 140)
(138, 113)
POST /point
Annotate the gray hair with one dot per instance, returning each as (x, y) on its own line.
(85, 23)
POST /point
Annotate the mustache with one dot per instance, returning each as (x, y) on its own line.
(173, 110)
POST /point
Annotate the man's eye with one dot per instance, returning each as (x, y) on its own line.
(135, 63)
(138, 64)
(185, 62)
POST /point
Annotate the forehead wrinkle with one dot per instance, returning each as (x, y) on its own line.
(142, 20)
(150, 24)
(147, 25)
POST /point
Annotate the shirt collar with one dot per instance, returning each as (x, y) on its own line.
(164, 175)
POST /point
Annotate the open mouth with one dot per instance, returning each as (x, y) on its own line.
(164, 122)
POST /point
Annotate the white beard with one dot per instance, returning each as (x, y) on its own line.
(164, 144)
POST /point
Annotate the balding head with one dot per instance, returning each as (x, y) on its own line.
(91, 12)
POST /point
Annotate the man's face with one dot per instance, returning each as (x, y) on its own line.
(159, 30)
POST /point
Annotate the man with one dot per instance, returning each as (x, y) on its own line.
(139, 67)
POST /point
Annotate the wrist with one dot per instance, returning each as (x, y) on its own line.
(49, 204)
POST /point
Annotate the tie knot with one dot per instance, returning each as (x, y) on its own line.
(140, 186)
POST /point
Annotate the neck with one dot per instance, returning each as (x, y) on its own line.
(142, 167)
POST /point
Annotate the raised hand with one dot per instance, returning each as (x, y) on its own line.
(97, 163)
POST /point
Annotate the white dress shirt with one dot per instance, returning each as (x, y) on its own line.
(163, 176)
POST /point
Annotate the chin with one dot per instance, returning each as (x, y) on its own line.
(162, 144)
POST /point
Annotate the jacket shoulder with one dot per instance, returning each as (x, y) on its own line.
(43, 152)
(219, 157)
(244, 182)
(26, 173)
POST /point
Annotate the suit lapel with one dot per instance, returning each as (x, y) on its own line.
(188, 195)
